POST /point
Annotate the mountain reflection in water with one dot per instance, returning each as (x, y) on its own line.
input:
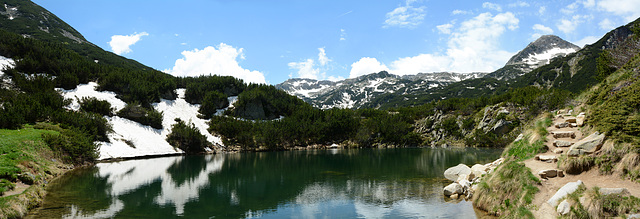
(367, 183)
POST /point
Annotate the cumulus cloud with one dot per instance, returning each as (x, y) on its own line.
(519, 4)
(540, 30)
(120, 44)
(366, 65)
(607, 24)
(492, 6)
(406, 16)
(587, 40)
(309, 69)
(627, 9)
(219, 60)
(569, 25)
(473, 47)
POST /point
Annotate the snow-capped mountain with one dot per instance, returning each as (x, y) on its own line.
(355, 92)
(536, 54)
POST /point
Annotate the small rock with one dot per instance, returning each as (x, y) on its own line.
(573, 125)
(562, 125)
(560, 112)
(548, 173)
(561, 143)
(557, 151)
(633, 216)
(580, 119)
(546, 158)
(519, 138)
(560, 173)
(564, 207)
(453, 188)
(563, 192)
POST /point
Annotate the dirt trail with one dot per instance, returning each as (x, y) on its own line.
(590, 178)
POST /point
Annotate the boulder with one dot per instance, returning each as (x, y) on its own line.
(561, 143)
(454, 196)
(562, 125)
(573, 125)
(570, 119)
(617, 191)
(564, 208)
(519, 138)
(564, 134)
(464, 177)
(558, 151)
(477, 170)
(580, 119)
(546, 158)
(588, 145)
(564, 191)
(453, 188)
(454, 172)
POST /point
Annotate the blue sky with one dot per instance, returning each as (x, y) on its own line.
(271, 41)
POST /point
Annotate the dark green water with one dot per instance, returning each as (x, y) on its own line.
(364, 183)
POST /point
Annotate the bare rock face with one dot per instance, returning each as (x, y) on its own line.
(588, 145)
(454, 172)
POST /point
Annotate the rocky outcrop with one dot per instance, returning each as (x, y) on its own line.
(588, 145)
(465, 183)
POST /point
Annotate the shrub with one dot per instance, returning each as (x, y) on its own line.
(73, 146)
(144, 116)
(92, 124)
(187, 137)
(92, 104)
(213, 101)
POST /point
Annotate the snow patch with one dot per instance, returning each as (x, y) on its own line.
(131, 139)
(546, 56)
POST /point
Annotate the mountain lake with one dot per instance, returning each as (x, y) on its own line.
(334, 183)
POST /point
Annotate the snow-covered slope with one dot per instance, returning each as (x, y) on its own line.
(131, 139)
(356, 92)
(536, 54)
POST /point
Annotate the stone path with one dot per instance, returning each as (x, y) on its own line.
(550, 186)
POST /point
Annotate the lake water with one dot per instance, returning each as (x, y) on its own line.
(361, 183)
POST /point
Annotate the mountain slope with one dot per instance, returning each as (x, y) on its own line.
(359, 92)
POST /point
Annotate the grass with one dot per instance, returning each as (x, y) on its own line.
(23, 152)
(597, 205)
(522, 150)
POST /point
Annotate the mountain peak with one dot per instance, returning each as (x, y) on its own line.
(542, 50)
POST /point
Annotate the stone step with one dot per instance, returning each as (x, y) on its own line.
(561, 143)
(564, 134)
(546, 158)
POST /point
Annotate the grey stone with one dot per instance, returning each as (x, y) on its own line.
(564, 208)
(548, 173)
(563, 192)
(564, 134)
(558, 151)
(618, 191)
(561, 143)
(562, 125)
(580, 119)
(477, 170)
(454, 172)
(546, 158)
(453, 188)
(588, 145)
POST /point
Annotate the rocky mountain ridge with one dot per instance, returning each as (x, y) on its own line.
(362, 92)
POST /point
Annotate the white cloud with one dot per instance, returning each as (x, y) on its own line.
(492, 6)
(457, 12)
(570, 9)
(541, 10)
(607, 24)
(406, 16)
(445, 28)
(540, 30)
(519, 4)
(473, 47)
(343, 35)
(309, 69)
(322, 57)
(568, 26)
(589, 3)
(366, 65)
(120, 44)
(219, 60)
(587, 40)
(627, 9)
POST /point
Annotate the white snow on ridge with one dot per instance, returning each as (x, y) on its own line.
(5, 63)
(89, 90)
(146, 140)
(534, 59)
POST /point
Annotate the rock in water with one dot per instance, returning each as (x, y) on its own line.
(453, 188)
(588, 145)
(454, 172)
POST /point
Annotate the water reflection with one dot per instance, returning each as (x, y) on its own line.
(308, 184)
